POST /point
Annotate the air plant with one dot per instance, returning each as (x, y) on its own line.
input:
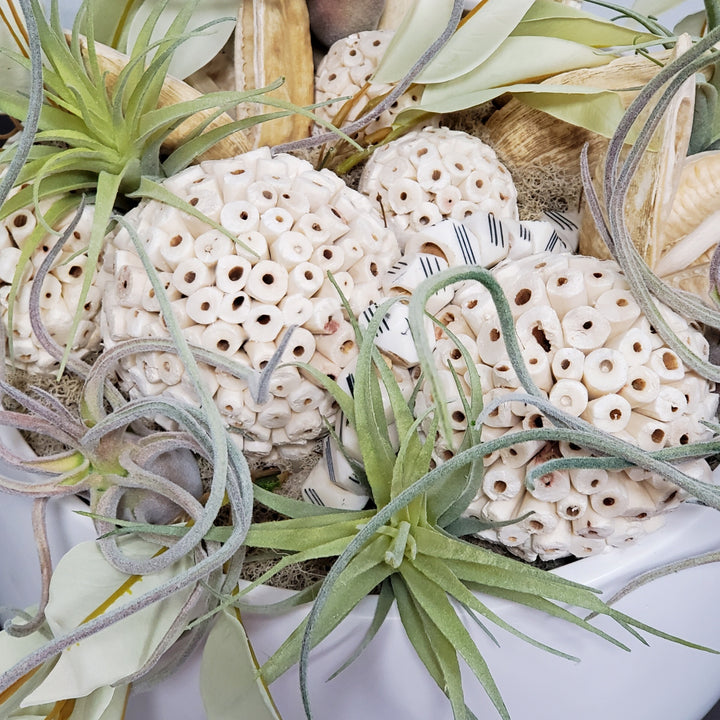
(409, 543)
(102, 131)
(123, 468)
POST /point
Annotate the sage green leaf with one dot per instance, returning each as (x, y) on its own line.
(198, 50)
(551, 19)
(302, 533)
(597, 111)
(442, 574)
(520, 59)
(477, 38)
(384, 603)
(83, 586)
(417, 31)
(364, 572)
(229, 676)
(112, 21)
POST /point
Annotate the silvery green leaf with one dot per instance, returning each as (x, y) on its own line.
(84, 585)
(418, 30)
(517, 60)
(551, 19)
(229, 677)
(476, 40)
(197, 51)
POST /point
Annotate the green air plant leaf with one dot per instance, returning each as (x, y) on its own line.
(551, 19)
(513, 72)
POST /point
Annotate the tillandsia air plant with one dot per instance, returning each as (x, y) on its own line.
(410, 542)
(102, 130)
(124, 470)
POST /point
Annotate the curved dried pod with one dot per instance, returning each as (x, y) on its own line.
(272, 40)
(525, 137)
(657, 179)
(395, 11)
(174, 91)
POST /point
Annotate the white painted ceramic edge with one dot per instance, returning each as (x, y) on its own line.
(660, 681)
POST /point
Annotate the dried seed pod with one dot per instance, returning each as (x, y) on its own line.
(272, 40)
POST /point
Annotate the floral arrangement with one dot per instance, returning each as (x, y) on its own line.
(455, 392)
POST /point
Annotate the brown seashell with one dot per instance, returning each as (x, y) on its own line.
(174, 91)
(272, 40)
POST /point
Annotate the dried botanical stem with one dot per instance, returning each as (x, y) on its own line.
(43, 551)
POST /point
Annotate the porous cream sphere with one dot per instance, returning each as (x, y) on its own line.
(437, 173)
(291, 226)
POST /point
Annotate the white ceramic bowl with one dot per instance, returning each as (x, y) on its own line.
(656, 682)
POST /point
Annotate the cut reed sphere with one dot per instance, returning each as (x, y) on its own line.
(290, 225)
(24, 244)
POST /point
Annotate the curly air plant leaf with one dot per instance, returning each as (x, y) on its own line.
(102, 132)
(110, 462)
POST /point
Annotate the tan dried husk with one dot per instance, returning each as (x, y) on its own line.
(272, 40)
(174, 91)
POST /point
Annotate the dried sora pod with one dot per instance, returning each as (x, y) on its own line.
(60, 292)
(587, 345)
(437, 173)
(292, 224)
(346, 71)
